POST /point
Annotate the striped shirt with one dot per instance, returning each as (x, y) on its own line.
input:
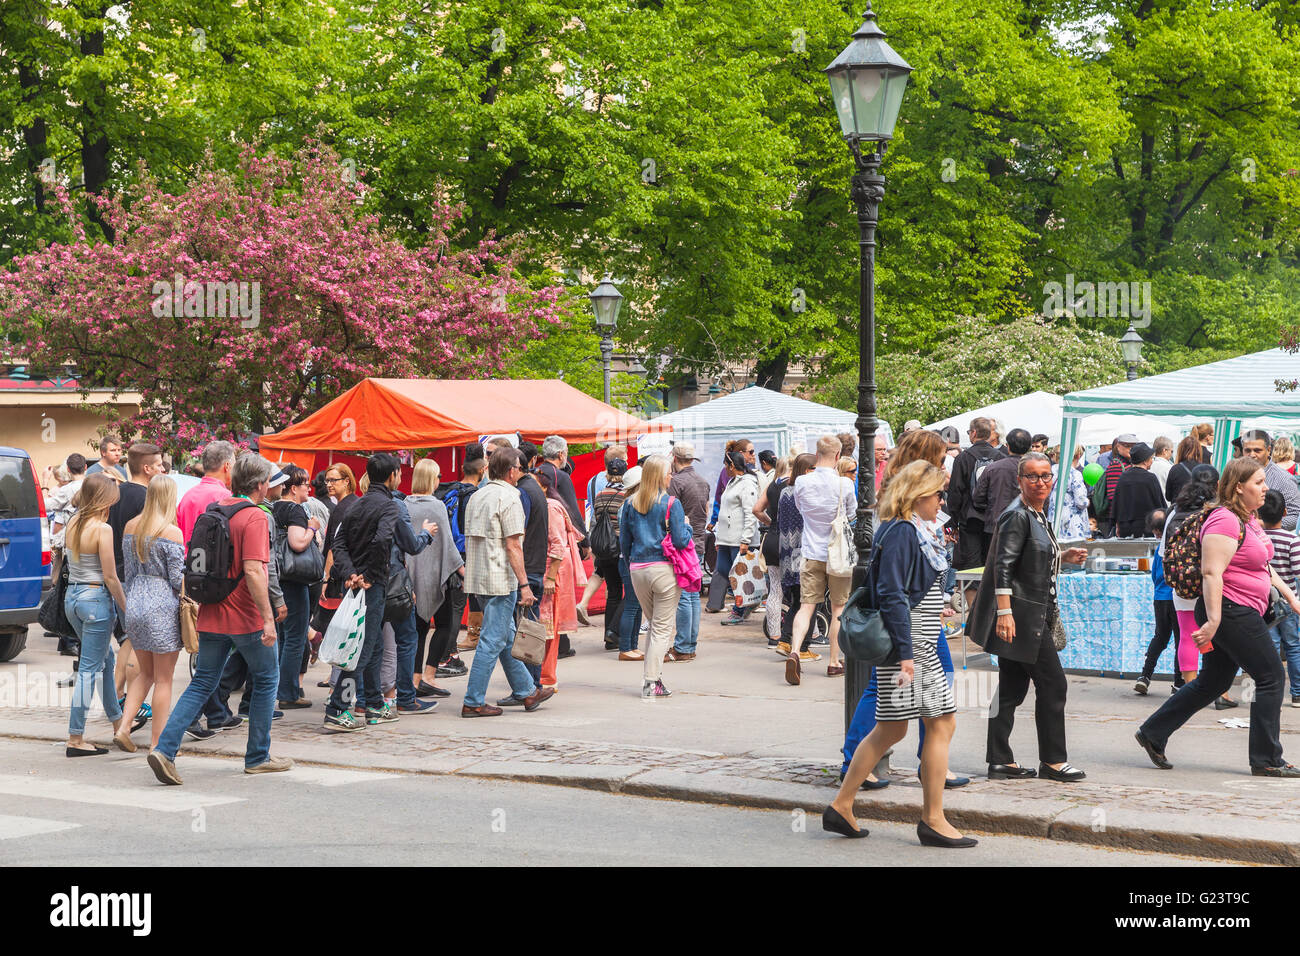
(1286, 554)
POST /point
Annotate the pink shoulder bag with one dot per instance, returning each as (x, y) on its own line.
(685, 562)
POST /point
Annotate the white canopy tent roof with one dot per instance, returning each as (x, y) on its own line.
(769, 419)
(1040, 413)
(1232, 393)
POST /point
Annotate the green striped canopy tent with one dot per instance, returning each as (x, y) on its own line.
(1234, 394)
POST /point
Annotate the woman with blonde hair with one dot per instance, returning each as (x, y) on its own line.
(646, 516)
(93, 600)
(1236, 568)
(924, 446)
(1284, 455)
(437, 574)
(155, 563)
(906, 578)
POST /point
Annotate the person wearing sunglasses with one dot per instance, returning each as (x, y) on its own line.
(1013, 617)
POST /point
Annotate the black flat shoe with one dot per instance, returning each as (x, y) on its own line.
(78, 752)
(1066, 774)
(1221, 703)
(930, 837)
(428, 690)
(832, 822)
(1157, 757)
(1286, 770)
(956, 783)
(1005, 771)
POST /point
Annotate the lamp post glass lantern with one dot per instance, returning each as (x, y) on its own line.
(1130, 344)
(867, 82)
(606, 300)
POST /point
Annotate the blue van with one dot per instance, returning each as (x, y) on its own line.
(25, 556)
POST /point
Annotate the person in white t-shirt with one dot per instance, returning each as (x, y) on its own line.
(819, 496)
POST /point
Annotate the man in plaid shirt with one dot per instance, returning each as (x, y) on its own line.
(1286, 562)
(495, 573)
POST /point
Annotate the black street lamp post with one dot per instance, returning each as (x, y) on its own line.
(867, 83)
(605, 302)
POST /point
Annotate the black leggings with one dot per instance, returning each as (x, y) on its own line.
(446, 628)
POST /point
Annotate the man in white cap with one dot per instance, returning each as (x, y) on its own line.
(912, 426)
(693, 492)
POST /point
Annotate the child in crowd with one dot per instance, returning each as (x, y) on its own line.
(1286, 562)
(1166, 619)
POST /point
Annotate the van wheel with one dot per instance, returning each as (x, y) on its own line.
(12, 644)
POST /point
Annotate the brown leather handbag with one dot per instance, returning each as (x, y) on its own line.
(189, 618)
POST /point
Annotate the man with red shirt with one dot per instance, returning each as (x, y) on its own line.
(243, 622)
(1119, 462)
(217, 460)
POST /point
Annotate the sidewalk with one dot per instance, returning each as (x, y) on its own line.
(735, 733)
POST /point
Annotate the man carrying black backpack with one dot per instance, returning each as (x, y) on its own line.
(225, 571)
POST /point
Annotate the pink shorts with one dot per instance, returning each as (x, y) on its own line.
(1189, 655)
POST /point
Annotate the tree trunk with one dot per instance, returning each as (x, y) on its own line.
(94, 141)
(772, 369)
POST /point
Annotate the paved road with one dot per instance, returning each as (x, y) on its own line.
(110, 811)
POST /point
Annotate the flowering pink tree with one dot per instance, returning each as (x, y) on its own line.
(255, 297)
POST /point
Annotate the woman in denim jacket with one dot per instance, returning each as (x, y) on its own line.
(645, 518)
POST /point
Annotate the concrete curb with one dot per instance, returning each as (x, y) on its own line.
(1219, 837)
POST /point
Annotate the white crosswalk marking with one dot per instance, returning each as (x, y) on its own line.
(331, 777)
(166, 799)
(11, 828)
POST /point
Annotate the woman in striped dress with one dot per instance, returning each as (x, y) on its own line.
(906, 575)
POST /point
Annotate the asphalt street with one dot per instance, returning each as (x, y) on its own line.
(111, 811)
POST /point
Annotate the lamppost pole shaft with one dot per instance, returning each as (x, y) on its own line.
(868, 189)
(606, 353)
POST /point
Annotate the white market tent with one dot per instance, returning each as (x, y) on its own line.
(769, 419)
(1040, 413)
(1232, 394)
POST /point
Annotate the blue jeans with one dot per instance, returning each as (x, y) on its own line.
(496, 634)
(91, 612)
(718, 586)
(629, 626)
(264, 673)
(688, 622)
(292, 632)
(1286, 638)
(362, 685)
(864, 718)
(406, 637)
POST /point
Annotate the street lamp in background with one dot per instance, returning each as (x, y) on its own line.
(1131, 345)
(605, 302)
(867, 83)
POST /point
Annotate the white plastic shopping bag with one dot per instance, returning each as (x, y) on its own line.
(343, 638)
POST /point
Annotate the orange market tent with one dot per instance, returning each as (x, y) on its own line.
(392, 414)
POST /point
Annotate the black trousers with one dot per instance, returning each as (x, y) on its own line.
(1050, 689)
(613, 578)
(972, 545)
(1242, 640)
(446, 628)
(1166, 628)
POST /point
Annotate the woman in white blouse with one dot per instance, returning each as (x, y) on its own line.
(736, 530)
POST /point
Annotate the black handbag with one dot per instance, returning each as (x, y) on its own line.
(52, 616)
(297, 567)
(863, 634)
(399, 595)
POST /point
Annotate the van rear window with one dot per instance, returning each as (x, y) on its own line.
(17, 488)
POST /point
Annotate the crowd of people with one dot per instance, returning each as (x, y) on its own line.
(278, 551)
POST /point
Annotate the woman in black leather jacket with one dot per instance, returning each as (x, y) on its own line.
(1013, 616)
